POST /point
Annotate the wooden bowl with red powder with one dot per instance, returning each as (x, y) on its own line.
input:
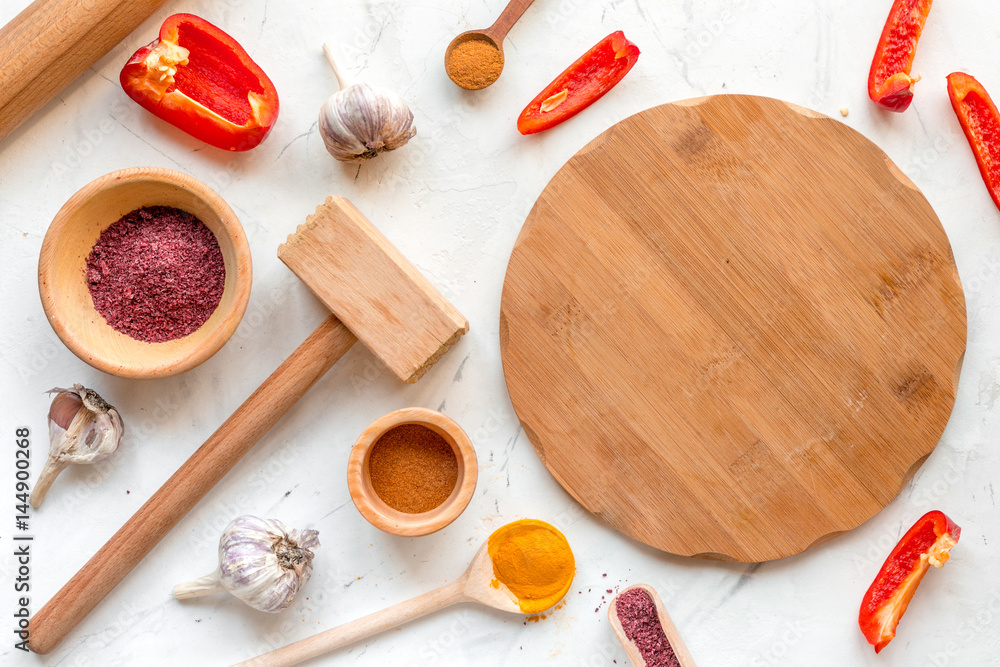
(412, 472)
(145, 273)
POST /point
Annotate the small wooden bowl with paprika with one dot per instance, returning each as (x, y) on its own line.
(65, 267)
(412, 472)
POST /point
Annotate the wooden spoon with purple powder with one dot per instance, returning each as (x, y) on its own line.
(644, 628)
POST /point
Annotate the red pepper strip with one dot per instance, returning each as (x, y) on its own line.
(583, 83)
(981, 123)
(926, 543)
(889, 82)
(200, 79)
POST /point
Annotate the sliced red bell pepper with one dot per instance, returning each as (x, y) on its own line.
(200, 79)
(583, 83)
(981, 124)
(926, 543)
(889, 82)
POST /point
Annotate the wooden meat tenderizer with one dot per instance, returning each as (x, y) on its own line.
(376, 295)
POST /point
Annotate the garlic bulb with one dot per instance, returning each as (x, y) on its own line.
(260, 561)
(83, 428)
(361, 121)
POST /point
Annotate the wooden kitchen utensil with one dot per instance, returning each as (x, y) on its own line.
(492, 36)
(376, 295)
(472, 586)
(65, 292)
(669, 629)
(732, 328)
(51, 42)
(389, 519)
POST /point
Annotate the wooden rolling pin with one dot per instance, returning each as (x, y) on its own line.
(52, 42)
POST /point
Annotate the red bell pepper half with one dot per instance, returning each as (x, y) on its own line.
(200, 79)
(926, 543)
(889, 82)
(981, 123)
(583, 83)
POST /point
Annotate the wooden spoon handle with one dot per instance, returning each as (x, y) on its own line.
(52, 42)
(189, 484)
(348, 633)
(507, 19)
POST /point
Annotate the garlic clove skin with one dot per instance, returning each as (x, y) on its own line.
(361, 121)
(261, 562)
(83, 429)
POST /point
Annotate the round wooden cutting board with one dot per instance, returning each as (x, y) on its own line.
(732, 328)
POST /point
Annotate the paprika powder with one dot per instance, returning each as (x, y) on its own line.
(412, 468)
(474, 63)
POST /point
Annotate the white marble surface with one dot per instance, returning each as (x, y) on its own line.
(453, 202)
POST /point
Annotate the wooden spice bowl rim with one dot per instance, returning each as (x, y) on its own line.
(390, 520)
(62, 272)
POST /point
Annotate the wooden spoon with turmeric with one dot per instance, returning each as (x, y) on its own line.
(525, 567)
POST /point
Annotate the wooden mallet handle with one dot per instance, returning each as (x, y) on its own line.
(52, 42)
(179, 494)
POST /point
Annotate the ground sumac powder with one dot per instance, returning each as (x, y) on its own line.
(412, 468)
(156, 274)
(637, 613)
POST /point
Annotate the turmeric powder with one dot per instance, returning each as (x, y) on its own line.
(533, 560)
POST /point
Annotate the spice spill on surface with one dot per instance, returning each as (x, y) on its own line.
(541, 617)
(157, 274)
(637, 613)
(412, 468)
